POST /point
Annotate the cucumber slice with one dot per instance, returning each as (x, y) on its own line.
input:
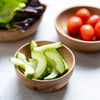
(42, 64)
(55, 56)
(49, 46)
(49, 69)
(33, 63)
(29, 71)
(32, 45)
(66, 66)
(18, 62)
(53, 75)
(21, 56)
(31, 60)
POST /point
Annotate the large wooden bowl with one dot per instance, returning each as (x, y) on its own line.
(47, 85)
(75, 42)
(16, 34)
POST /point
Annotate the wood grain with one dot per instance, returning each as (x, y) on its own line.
(75, 42)
(47, 85)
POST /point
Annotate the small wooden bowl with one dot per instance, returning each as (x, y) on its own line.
(47, 85)
(75, 42)
(16, 34)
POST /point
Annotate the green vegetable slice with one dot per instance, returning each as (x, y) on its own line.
(8, 9)
(53, 55)
(53, 75)
(53, 72)
(42, 64)
(49, 46)
(29, 71)
(32, 63)
(32, 45)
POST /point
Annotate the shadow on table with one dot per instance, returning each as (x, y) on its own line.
(27, 94)
(87, 60)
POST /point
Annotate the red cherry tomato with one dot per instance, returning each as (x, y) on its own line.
(83, 13)
(74, 24)
(93, 20)
(87, 32)
(97, 30)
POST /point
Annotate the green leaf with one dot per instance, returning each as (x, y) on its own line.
(8, 9)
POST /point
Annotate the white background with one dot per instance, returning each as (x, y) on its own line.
(85, 81)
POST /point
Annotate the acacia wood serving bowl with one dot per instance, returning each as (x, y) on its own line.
(47, 85)
(16, 34)
(75, 42)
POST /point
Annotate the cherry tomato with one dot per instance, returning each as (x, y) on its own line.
(74, 24)
(83, 13)
(93, 20)
(97, 30)
(87, 32)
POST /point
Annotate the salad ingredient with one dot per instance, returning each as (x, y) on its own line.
(8, 9)
(83, 13)
(53, 75)
(42, 64)
(55, 56)
(87, 32)
(29, 71)
(32, 45)
(45, 63)
(93, 20)
(20, 14)
(97, 30)
(49, 46)
(74, 24)
(32, 63)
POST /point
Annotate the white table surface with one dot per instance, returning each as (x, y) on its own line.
(85, 81)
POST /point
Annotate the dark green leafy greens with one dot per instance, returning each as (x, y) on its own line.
(25, 17)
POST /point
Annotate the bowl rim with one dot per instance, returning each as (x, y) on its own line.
(67, 36)
(37, 80)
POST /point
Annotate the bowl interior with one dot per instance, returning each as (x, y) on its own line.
(64, 51)
(61, 21)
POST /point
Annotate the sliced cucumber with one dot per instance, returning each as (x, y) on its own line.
(18, 62)
(49, 69)
(32, 45)
(53, 55)
(32, 63)
(31, 60)
(21, 56)
(66, 66)
(29, 71)
(49, 46)
(53, 75)
(42, 64)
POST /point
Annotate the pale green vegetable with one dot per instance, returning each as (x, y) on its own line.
(48, 46)
(53, 55)
(41, 66)
(29, 71)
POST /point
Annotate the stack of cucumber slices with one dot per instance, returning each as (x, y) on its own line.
(45, 62)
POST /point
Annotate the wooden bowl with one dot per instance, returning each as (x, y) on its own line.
(16, 34)
(75, 42)
(47, 85)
